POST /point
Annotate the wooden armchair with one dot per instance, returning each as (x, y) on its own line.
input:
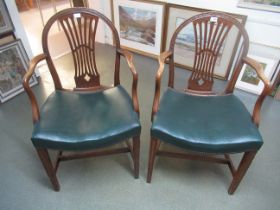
(90, 116)
(198, 119)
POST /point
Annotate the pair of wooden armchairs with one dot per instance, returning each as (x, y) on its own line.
(92, 116)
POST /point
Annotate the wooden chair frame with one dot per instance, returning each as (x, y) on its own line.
(248, 156)
(133, 148)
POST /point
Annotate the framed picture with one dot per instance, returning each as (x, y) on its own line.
(277, 92)
(13, 66)
(185, 46)
(268, 5)
(248, 79)
(276, 83)
(140, 25)
(6, 25)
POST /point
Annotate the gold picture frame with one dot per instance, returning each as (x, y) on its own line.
(140, 25)
(176, 12)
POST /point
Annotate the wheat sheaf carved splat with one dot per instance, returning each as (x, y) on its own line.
(79, 26)
(210, 34)
(80, 30)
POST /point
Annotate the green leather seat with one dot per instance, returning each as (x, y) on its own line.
(78, 121)
(205, 124)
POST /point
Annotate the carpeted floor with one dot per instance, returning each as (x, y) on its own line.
(108, 183)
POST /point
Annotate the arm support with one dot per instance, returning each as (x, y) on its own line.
(129, 59)
(26, 86)
(163, 56)
(266, 90)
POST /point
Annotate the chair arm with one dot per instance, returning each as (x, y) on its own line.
(129, 59)
(266, 90)
(161, 59)
(25, 82)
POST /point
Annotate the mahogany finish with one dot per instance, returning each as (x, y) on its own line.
(80, 26)
(210, 30)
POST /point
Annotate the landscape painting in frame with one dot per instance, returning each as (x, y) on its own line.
(248, 79)
(184, 49)
(5, 21)
(139, 25)
(13, 66)
(268, 5)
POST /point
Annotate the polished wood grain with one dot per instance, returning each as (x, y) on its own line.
(25, 82)
(162, 58)
(46, 161)
(129, 59)
(266, 90)
(79, 26)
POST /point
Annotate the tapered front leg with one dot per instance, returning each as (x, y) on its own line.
(242, 168)
(46, 161)
(136, 155)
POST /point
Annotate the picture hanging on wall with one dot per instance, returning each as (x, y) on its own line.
(276, 84)
(248, 79)
(277, 91)
(140, 25)
(5, 20)
(13, 66)
(267, 5)
(185, 46)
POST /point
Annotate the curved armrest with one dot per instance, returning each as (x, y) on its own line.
(266, 90)
(129, 59)
(163, 56)
(26, 86)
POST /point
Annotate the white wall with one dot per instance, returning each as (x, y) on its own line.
(18, 27)
(99, 6)
(104, 6)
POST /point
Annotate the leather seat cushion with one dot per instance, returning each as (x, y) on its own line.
(213, 124)
(88, 120)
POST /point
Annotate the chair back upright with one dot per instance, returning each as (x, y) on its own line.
(210, 30)
(80, 27)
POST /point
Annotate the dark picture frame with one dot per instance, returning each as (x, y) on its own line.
(6, 25)
(13, 66)
(175, 12)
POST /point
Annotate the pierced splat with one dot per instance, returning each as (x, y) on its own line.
(80, 30)
(210, 34)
